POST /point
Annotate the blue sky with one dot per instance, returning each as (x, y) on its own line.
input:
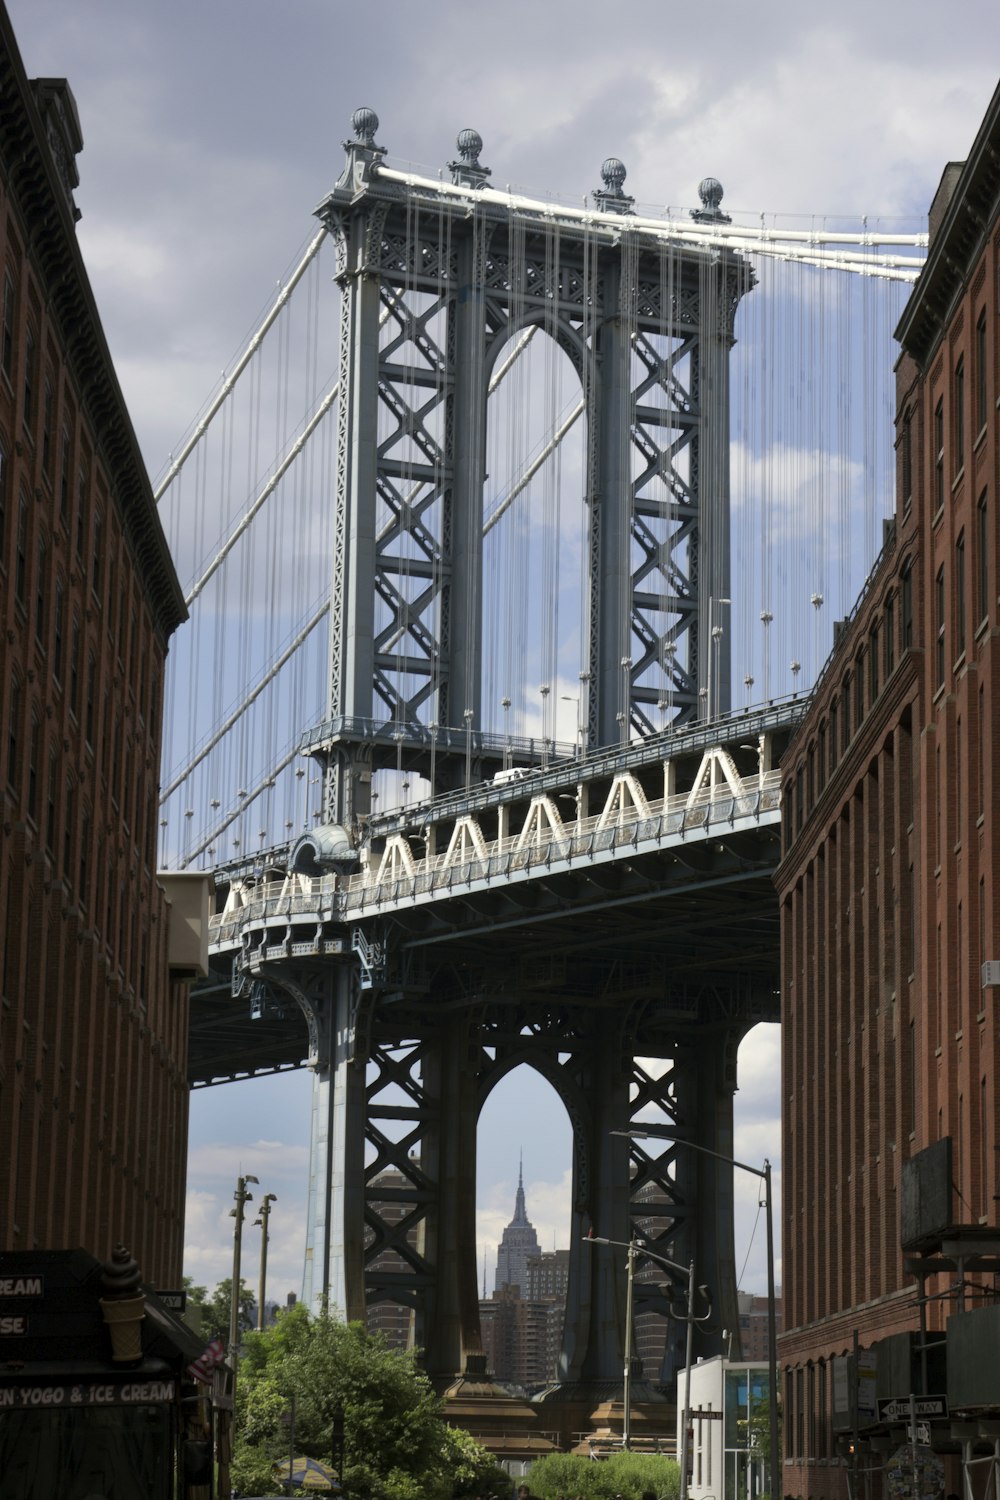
(212, 130)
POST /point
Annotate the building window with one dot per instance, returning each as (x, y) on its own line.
(7, 333)
(959, 787)
(821, 761)
(981, 373)
(64, 461)
(834, 746)
(911, 1102)
(51, 802)
(47, 405)
(21, 550)
(74, 668)
(34, 741)
(88, 719)
(940, 620)
(68, 831)
(84, 856)
(873, 662)
(939, 455)
(859, 691)
(906, 607)
(890, 635)
(40, 595)
(29, 378)
(81, 514)
(959, 416)
(983, 559)
(57, 631)
(13, 730)
(960, 593)
(907, 458)
(97, 556)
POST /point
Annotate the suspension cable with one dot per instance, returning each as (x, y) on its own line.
(240, 366)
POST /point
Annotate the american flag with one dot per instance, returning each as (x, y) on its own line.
(202, 1367)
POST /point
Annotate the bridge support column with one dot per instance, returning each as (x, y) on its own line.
(335, 1212)
(451, 1330)
(593, 1338)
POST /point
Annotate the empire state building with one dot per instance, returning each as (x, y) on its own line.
(518, 1242)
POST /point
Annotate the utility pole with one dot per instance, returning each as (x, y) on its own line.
(242, 1198)
(261, 1220)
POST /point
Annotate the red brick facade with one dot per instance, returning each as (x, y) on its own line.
(93, 1035)
(889, 885)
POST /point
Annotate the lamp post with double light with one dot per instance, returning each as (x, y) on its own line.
(261, 1222)
(634, 1248)
(653, 1132)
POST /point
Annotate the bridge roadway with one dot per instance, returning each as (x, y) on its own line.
(634, 861)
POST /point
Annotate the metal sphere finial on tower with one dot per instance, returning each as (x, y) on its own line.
(610, 198)
(710, 193)
(469, 171)
(365, 123)
(613, 174)
(469, 144)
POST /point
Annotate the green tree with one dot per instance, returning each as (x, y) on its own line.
(216, 1310)
(397, 1445)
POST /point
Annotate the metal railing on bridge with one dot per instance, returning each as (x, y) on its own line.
(542, 845)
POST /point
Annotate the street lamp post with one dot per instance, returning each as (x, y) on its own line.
(569, 698)
(764, 1173)
(715, 633)
(261, 1220)
(468, 715)
(671, 1265)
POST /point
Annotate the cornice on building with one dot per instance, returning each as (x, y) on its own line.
(40, 185)
(964, 207)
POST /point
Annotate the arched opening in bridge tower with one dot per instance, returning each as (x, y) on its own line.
(534, 544)
(523, 1191)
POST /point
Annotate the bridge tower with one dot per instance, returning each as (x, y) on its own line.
(436, 279)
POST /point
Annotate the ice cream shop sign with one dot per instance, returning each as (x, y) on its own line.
(95, 1384)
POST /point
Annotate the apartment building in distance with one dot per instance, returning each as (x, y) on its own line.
(95, 960)
(889, 895)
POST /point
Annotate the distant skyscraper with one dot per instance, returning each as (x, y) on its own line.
(518, 1242)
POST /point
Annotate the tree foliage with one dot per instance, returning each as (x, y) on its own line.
(397, 1445)
(216, 1310)
(627, 1474)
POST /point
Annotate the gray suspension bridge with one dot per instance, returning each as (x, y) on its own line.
(602, 912)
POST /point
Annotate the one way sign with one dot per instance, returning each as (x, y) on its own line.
(897, 1408)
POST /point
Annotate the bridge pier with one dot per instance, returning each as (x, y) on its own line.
(333, 1272)
(451, 1323)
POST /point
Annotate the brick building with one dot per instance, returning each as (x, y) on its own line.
(889, 897)
(93, 1019)
(754, 1341)
(521, 1338)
